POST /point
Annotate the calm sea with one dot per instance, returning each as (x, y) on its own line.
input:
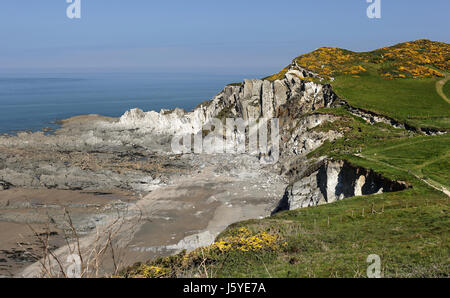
(36, 101)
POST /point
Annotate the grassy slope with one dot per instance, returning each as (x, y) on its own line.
(411, 101)
(398, 81)
(409, 230)
(447, 89)
(425, 157)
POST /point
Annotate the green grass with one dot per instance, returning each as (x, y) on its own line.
(358, 134)
(395, 153)
(411, 101)
(408, 230)
(438, 171)
(427, 157)
(398, 81)
(447, 89)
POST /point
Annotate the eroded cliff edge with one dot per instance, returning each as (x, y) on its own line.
(331, 181)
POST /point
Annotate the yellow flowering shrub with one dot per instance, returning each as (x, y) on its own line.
(241, 240)
(419, 52)
(328, 62)
(278, 76)
(416, 59)
(146, 271)
(309, 79)
(244, 241)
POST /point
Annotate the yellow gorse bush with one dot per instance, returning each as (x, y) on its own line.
(146, 271)
(241, 240)
(328, 62)
(245, 241)
(416, 59)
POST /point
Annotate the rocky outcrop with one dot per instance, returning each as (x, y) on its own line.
(301, 138)
(300, 71)
(372, 118)
(289, 97)
(331, 181)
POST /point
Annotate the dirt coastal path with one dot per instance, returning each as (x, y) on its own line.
(440, 87)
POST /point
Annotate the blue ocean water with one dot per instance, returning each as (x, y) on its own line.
(36, 101)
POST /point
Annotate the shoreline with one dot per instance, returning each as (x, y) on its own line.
(77, 120)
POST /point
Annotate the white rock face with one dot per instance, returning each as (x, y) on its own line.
(305, 193)
(268, 100)
(333, 181)
(194, 241)
(281, 92)
(164, 122)
(303, 140)
(359, 184)
(251, 99)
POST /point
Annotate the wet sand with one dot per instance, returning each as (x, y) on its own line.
(26, 211)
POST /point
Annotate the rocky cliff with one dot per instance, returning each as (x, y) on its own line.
(291, 99)
(331, 181)
(287, 98)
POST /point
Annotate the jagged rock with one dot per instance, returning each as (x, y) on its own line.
(268, 100)
(301, 139)
(281, 93)
(251, 99)
(335, 180)
(4, 185)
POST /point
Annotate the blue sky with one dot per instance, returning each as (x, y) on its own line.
(203, 35)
